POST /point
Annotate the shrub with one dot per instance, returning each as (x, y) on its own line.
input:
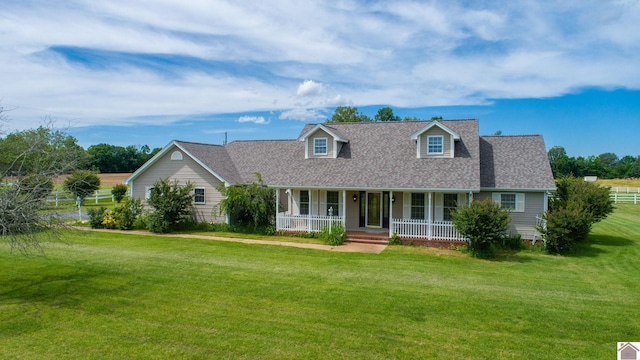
(95, 217)
(119, 191)
(576, 192)
(485, 224)
(172, 204)
(334, 235)
(249, 205)
(109, 219)
(128, 213)
(395, 239)
(565, 228)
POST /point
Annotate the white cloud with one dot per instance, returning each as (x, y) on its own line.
(238, 58)
(254, 119)
(301, 114)
(309, 88)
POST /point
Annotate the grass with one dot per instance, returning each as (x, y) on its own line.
(634, 183)
(124, 296)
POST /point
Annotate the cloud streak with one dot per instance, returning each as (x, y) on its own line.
(122, 61)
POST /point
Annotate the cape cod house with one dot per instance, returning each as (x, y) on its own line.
(402, 177)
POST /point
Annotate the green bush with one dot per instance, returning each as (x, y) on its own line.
(395, 239)
(118, 192)
(512, 242)
(128, 213)
(565, 228)
(172, 206)
(334, 235)
(82, 183)
(485, 224)
(95, 217)
(249, 205)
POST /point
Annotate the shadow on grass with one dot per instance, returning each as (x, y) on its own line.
(601, 241)
(67, 288)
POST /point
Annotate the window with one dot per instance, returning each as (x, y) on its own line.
(176, 156)
(320, 146)
(199, 196)
(333, 203)
(417, 206)
(512, 201)
(434, 145)
(449, 206)
(304, 202)
(147, 192)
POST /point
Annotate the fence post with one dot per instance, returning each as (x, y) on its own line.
(57, 199)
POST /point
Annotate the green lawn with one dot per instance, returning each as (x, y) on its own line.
(123, 296)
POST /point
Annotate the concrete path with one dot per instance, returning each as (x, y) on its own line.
(346, 247)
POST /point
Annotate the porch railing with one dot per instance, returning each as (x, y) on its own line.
(306, 223)
(425, 229)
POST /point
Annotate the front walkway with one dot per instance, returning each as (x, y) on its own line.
(346, 247)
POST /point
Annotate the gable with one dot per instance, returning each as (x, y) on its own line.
(435, 140)
(322, 142)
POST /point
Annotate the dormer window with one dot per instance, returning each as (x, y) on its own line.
(320, 146)
(435, 145)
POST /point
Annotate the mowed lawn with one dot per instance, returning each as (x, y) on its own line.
(109, 296)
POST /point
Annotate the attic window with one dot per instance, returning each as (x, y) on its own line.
(176, 156)
(435, 145)
(320, 146)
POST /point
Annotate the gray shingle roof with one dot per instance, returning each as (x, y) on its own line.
(381, 155)
(378, 155)
(515, 162)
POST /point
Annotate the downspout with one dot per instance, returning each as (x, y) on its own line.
(430, 216)
(390, 214)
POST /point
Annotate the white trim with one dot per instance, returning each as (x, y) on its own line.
(325, 129)
(204, 194)
(417, 134)
(176, 156)
(418, 142)
(441, 137)
(163, 152)
(326, 146)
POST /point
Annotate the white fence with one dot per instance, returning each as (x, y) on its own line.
(58, 197)
(306, 223)
(624, 197)
(625, 189)
(425, 229)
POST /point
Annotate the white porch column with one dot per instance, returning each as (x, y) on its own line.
(310, 210)
(390, 213)
(344, 209)
(289, 193)
(470, 197)
(430, 214)
(277, 208)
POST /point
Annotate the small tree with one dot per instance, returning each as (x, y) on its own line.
(119, 191)
(484, 223)
(386, 114)
(249, 205)
(172, 204)
(82, 183)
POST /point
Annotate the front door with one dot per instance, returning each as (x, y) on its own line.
(374, 209)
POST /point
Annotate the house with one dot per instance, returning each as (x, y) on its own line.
(628, 352)
(388, 177)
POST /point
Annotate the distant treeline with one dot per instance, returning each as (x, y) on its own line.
(605, 166)
(107, 158)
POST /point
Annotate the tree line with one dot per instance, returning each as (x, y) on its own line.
(606, 165)
(103, 158)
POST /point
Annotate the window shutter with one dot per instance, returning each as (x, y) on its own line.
(322, 198)
(496, 197)
(406, 205)
(462, 200)
(439, 205)
(520, 202)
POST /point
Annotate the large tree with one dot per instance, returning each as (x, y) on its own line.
(348, 114)
(29, 160)
(386, 114)
(118, 159)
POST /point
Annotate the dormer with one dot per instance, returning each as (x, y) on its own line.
(435, 141)
(322, 142)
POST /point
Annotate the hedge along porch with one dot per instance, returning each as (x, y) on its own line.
(411, 215)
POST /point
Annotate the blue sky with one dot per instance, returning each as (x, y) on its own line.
(141, 72)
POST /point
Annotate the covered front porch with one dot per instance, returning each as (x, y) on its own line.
(410, 215)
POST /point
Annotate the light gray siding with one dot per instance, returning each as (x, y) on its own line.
(523, 223)
(446, 142)
(184, 170)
